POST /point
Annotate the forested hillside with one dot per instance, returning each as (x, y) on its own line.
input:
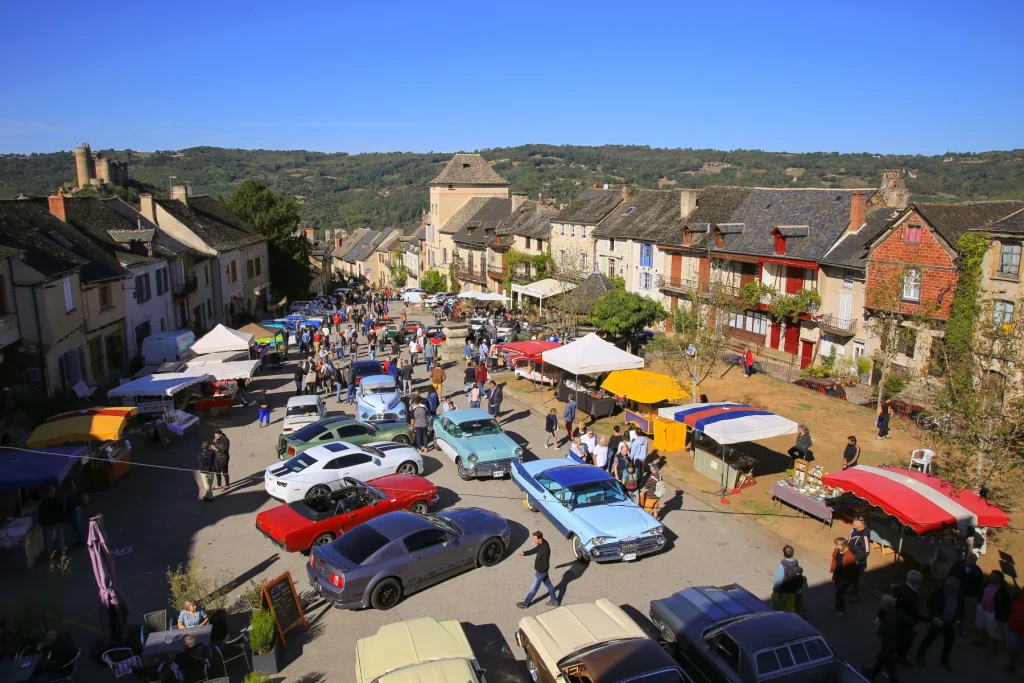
(348, 191)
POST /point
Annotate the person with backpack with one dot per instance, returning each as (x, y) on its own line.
(789, 582)
(654, 491)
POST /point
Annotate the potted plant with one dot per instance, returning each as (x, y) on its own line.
(266, 655)
(864, 368)
(256, 677)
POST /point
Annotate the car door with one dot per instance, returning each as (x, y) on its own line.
(539, 492)
(443, 436)
(430, 557)
(355, 433)
(361, 466)
(354, 510)
(554, 509)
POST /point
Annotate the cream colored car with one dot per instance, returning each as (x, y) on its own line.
(417, 650)
(594, 642)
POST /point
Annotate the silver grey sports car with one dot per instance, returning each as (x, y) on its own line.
(399, 553)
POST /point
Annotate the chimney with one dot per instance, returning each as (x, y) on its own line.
(540, 200)
(627, 192)
(146, 206)
(180, 192)
(58, 206)
(337, 241)
(858, 207)
(687, 202)
(597, 185)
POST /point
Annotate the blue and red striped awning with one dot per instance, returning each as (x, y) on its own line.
(730, 422)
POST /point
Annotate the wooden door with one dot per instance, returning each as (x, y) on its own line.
(611, 268)
(776, 329)
(792, 344)
(704, 272)
(676, 268)
(806, 353)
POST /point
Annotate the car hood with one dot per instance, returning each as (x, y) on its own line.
(381, 402)
(491, 447)
(617, 520)
(414, 643)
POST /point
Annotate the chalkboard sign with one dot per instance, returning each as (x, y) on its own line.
(280, 595)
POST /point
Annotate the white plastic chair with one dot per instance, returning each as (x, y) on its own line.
(923, 458)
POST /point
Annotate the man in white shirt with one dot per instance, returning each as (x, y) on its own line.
(589, 440)
(413, 348)
(600, 452)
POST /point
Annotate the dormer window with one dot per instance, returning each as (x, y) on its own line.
(687, 236)
(780, 244)
(719, 240)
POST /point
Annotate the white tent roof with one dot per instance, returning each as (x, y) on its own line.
(222, 338)
(469, 294)
(730, 422)
(591, 355)
(542, 289)
(239, 369)
(492, 296)
(160, 384)
(220, 357)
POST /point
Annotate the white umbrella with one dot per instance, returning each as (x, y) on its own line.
(469, 295)
(492, 296)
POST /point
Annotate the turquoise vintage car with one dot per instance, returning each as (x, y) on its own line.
(476, 444)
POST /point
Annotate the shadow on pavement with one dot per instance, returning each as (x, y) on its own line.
(431, 464)
(519, 536)
(494, 654)
(514, 417)
(446, 498)
(574, 570)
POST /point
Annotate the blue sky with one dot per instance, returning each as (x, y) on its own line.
(888, 77)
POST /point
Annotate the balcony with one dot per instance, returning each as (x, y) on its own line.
(837, 326)
(497, 272)
(180, 290)
(465, 274)
(678, 284)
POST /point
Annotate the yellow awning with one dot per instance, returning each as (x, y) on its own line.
(93, 424)
(644, 386)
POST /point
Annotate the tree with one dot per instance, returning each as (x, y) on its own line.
(398, 275)
(626, 314)
(432, 281)
(277, 218)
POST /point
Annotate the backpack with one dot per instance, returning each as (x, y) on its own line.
(659, 489)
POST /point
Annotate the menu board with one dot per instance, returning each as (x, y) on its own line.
(280, 595)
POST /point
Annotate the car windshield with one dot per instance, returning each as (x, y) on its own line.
(445, 524)
(299, 462)
(597, 493)
(380, 389)
(479, 427)
(309, 432)
(360, 543)
(305, 410)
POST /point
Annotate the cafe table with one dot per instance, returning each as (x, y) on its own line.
(171, 642)
(21, 669)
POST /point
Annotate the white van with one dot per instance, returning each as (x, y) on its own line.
(167, 347)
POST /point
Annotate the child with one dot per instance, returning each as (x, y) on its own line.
(630, 480)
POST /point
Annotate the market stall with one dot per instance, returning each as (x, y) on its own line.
(643, 393)
(102, 430)
(162, 392)
(916, 514)
(222, 338)
(275, 339)
(542, 289)
(526, 360)
(227, 380)
(589, 356)
(805, 491)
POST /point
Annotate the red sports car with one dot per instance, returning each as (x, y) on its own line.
(297, 527)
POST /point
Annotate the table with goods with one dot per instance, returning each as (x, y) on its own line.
(805, 492)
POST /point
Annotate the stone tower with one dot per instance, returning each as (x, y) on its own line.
(893, 189)
(84, 164)
(98, 169)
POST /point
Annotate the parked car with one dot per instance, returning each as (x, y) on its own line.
(421, 649)
(588, 506)
(298, 526)
(299, 305)
(595, 642)
(400, 553)
(477, 324)
(822, 386)
(475, 443)
(434, 335)
(367, 368)
(322, 469)
(341, 428)
(727, 635)
(378, 398)
(301, 411)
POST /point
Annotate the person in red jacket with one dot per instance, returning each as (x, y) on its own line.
(844, 570)
(481, 376)
(748, 363)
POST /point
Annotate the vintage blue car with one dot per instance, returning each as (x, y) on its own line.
(378, 399)
(588, 506)
(476, 444)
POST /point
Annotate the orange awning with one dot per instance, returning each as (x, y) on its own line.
(92, 424)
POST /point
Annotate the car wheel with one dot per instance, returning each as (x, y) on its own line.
(386, 594)
(407, 467)
(463, 474)
(402, 438)
(420, 507)
(491, 552)
(577, 550)
(318, 491)
(531, 504)
(531, 666)
(323, 539)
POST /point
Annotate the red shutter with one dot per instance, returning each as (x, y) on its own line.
(780, 244)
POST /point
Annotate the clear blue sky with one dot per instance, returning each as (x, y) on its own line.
(914, 76)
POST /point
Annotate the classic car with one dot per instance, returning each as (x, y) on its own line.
(435, 335)
(477, 324)
(341, 428)
(322, 469)
(298, 526)
(400, 553)
(367, 368)
(588, 506)
(421, 649)
(301, 411)
(595, 642)
(378, 399)
(727, 635)
(475, 443)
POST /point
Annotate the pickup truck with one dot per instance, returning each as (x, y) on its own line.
(727, 635)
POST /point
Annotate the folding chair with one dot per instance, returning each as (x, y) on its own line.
(241, 642)
(69, 670)
(121, 660)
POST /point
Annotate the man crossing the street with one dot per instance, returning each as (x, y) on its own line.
(541, 566)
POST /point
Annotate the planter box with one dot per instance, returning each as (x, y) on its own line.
(268, 662)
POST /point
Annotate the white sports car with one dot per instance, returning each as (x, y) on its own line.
(321, 469)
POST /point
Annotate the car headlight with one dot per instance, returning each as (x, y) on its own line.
(656, 531)
(600, 540)
(472, 457)
(519, 452)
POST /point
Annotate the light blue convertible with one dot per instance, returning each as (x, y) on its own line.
(378, 400)
(588, 506)
(476, 444)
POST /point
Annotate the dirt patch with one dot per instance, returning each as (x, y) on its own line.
(794, 172)
(662, 182)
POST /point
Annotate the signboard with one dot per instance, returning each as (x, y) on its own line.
(368, 272)
(151, 404)
(279, 594)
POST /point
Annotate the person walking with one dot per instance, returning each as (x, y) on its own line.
(638, 449)
(468, 351)
(223, 446)
(654, 491)
(801, 449)
(851, 454)
(73, 503)
(263, 405)
(908, 600)
(748, 363)
(481, 376)
(413, 350)
(541, 566)
(429, 353)
(437, 378)
(602, 458)
(52, 517)
(419, 424)
(494, 399)
(406, 375)
(615, 440)
(860, 545)
(468, 375)
(972, 581)
(474, 396)
(433, 401)
(884, 413)
(789, 582)
(896, 633)
(550, 428)
(300, 375)
(207, 467)
(620, 460)
(350, 381)
(569, 416)
(844, 568)
(945, 609)
(992, 613)
(631, 480)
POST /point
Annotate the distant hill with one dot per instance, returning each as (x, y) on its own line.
(385, 189)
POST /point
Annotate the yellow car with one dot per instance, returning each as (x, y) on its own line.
(417, 650)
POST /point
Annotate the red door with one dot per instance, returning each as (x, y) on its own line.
(794, 279)
(806, 353)
(776, 328)
(792, 338)
(704, 272)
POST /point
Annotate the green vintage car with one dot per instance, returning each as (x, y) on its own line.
(342, 428)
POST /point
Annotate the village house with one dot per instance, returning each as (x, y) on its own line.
(474, 226)
(1002, 267)
(526, 233)
(342, 246)
(572, 234)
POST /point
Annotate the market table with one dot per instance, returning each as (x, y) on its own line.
(727, 466)
(805, 504)
(21, 669)
(171, 641)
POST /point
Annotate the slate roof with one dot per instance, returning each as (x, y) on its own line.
(348, 241)
(163, 243)
(526, 221)
(591, 207)
(468, 169)
(478, 210)
(852, 248)
(114, 233)
(387, 239)
(953, 220)
(27, 224)
(85, 235)
(793, 230)
(211, 222)
(1014, 224)
(648, 215)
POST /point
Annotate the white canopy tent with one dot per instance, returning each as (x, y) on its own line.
(543, 289)
(222, 338)
(160, 384)
(240, 369)
(591, 355)
(469, 294)
(492, 296)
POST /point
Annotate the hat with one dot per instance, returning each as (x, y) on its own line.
(914, 575)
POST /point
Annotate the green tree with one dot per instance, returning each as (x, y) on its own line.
(626, 314)
(277, 218)
(432, 281)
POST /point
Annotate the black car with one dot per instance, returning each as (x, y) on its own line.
(367, 368)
